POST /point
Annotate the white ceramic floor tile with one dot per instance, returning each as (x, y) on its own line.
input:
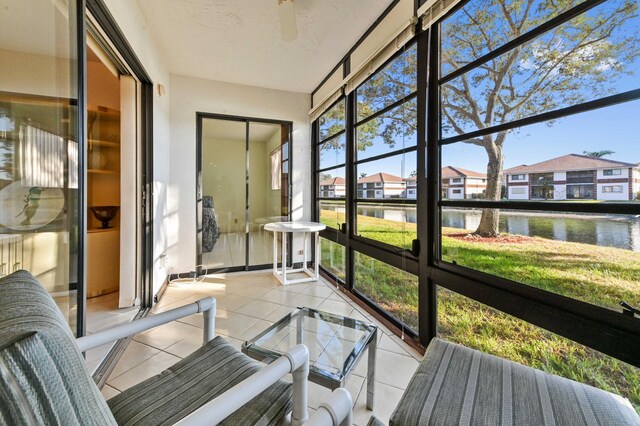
(394, 369)
(149, 368)
(108, 392)
(186, 346)
(318, 290)
(258, 308)
(166, 335)
(305, 300)
(318, 394)
(135, 354)
(385, 400)
(335, 307)
(254, 330)
(234, 324)
(388, 344)
(233, 302)
(279, 313)
(95, 356)
(196, 320)
(279, 296)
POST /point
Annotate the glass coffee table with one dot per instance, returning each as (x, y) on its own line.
(335, 344)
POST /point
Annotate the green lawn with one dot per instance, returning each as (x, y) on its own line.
(598, 275)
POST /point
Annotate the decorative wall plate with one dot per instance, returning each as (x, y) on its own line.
(26, 208)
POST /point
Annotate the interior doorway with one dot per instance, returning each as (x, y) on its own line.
(243, 183)
(113, 192)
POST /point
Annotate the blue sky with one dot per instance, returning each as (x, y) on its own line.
(615, 128)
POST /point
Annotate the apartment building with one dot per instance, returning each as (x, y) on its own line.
(332, 188)
(381, 185)
(572, 177)
(460, 184)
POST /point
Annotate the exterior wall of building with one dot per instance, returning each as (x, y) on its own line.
(517, 189)
(618, 185)
(510, 178)
(411, 192)
(474, 186)
(518, 192)
(559, 191)
(559, 185)
(455, 192)
(393, 189)
(636, 184)
(613, 191)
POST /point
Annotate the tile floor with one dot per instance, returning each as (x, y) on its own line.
(248, 302)
(103, 312)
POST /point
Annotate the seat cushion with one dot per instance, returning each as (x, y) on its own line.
(458, 385)
(208, 372)
(43, 377)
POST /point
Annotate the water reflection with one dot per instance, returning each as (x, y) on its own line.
(621, 231)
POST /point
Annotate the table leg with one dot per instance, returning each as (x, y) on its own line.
(304, 252)
(299, 329)
(371, 370)
(318, 255)
(284, 258)
(275, 253)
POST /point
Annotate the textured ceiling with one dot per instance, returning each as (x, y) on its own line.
(238, 41)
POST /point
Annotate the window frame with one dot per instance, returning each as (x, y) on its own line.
(602, 329)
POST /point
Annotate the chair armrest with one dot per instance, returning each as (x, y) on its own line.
(206, 305)
(335, 411)
(295, 361)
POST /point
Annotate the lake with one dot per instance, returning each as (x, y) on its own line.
(621, 231)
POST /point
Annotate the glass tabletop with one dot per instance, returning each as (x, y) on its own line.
(335, 342)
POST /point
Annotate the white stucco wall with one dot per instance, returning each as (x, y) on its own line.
(190, 95)
(559, 176)
(520, 192)
(613, 196)
(560, 192)
(454, 196)
(511, 179)
(475, 186)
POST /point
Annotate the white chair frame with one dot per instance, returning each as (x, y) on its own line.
(336, 411)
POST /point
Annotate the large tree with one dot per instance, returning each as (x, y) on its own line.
(575, 62)
(394, 82)
(578, 61)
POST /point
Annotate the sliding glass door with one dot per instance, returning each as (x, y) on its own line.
(243, 184)
(224, 193)
(40, 214)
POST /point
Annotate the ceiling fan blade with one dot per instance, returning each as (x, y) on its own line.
(287, 13)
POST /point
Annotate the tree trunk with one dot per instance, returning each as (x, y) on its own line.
(489, 221)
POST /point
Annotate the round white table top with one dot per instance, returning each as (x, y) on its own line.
(294, 226)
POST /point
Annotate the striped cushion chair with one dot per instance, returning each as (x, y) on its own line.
(44, 380)
(462, 386)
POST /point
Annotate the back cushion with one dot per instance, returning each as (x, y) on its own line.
(43, 377)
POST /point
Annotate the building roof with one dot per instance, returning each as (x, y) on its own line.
(567, 163)
(333, 181)
(381, 177)
(448, 172)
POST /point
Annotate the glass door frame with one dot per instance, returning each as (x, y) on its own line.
(200, 117)
(121, 47)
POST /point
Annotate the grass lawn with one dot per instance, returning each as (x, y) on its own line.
(598, 275)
